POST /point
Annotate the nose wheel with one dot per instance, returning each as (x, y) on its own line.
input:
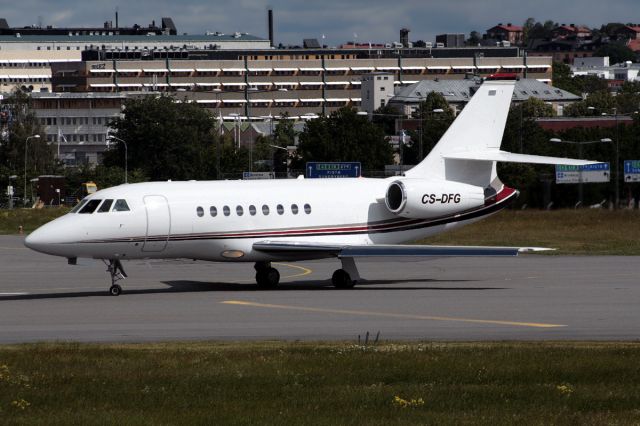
(116, 271)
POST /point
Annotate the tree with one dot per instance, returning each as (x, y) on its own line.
(527, 27)
(19, 123)
(385, 118)
(436, 116)
(166, 140)
(344, 136)
(617, 52)
(595, 103)
(474, 38)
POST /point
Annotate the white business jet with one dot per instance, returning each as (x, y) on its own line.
(302, 219)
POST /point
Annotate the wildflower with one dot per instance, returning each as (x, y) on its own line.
(21, 404)
(565, 389)
(407, 403)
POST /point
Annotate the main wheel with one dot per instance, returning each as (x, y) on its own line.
(342, 279)
(268, 278)
(115, 290)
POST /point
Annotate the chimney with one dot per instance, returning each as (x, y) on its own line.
(117, 17)
(270, 23)
(404, 37)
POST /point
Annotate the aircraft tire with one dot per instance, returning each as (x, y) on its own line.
(268, 278)
(341, 279)
(115, 290)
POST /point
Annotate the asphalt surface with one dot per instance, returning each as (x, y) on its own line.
(531, 297)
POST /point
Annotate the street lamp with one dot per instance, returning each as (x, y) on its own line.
(580, 143)
(274, 159)
(126, 150)
(26, 144)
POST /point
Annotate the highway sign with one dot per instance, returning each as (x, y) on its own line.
(590, 173)
(632, 170)
(333, 170)
(257, 175)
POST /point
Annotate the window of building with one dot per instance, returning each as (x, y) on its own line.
(200, 211)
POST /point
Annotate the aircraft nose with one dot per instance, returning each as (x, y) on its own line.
(37, 240)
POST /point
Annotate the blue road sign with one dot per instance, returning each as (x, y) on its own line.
(632, 170)
(589, 173)
(333, 170)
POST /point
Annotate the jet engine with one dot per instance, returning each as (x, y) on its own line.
(422, 199)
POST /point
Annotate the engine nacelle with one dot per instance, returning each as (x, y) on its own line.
(422, 199)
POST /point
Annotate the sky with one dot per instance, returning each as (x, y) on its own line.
(337, 20)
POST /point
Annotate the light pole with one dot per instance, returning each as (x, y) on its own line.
(580, 143)
(274, 159)
(26, 144)
(126, 156)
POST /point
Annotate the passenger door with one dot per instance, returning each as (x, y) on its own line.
(158, 223)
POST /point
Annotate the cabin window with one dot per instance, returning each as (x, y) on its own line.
(200, 211)
(239, 210)
(280, 209)
(90, 207)
(213, 211)
(252, 210)
(79, 206)
(307, 208)
(121, 206)
(226, 210)
(265, 210)
(105, 207)
(294, 208)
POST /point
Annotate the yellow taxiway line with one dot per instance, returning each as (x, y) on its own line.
(390, 315)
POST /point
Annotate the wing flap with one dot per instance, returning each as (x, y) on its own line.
(509, 157)
(387, 250)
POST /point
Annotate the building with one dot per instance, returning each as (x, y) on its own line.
(459, 92)
(629, 32)
(599, 67)
(512, 34)
(377, 90)
(564, 50)
(26, 60)
(269, 82)
(571, 31)
(560, 124)
(451, 40)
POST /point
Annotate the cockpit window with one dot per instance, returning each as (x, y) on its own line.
(79, 206)
(121, 206)
(105, 207)
(90, 207)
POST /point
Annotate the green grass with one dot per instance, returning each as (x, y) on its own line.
(29, 219)
(327, 384)
(587, 232)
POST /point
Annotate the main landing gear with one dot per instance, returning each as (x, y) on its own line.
(348, 276)
(267, 277)
(115, 269)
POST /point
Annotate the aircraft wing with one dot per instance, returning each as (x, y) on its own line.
(386, 250)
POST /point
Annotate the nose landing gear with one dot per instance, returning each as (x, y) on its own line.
(115, 269)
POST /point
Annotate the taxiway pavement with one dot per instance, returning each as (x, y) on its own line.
(531, 297)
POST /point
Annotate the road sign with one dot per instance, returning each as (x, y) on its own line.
(632, 170)
(590, 173)
(257, 175)
(333, 170)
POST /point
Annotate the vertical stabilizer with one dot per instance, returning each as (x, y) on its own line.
(478, 127)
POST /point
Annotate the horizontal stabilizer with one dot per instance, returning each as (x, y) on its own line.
(388, 250)
(509, 157)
